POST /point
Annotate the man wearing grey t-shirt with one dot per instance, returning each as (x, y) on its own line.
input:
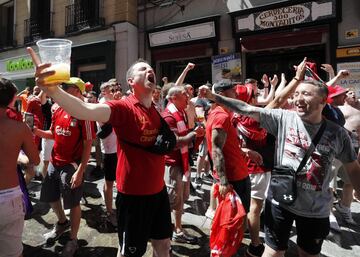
(294, 131)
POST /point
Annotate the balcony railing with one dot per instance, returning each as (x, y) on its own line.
(7, 36)
(84, 15)
(38, 28)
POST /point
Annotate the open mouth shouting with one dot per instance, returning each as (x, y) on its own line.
(151, 78)
(301, 108)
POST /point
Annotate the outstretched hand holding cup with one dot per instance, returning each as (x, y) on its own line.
(54, 67)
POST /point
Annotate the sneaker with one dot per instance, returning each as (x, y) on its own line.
(198, 182)
(210, 213)
(255, 251)
(184, 238)
(57, 231)
(70, 248)
(111, 217)
(334, 226)
(345, 213)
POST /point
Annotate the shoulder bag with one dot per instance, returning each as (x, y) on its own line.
(283, 178)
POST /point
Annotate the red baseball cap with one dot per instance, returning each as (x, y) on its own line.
(88, 86)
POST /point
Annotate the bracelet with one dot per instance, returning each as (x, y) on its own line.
(296, 78)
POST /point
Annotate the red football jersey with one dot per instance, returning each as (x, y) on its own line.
(69, 134)
(138, 172)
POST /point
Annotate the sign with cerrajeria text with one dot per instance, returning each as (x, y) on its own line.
(183, 34)
(286, 16)
(19, 64)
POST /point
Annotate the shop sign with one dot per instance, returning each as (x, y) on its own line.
(348, 52)
(286, 16)
(19, 64)
(227, 66)
(353, 81)
(183, 34)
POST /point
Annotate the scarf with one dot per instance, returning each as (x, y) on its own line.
(182, 130)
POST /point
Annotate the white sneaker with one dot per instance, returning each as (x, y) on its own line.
(345, 213)
(333, 223)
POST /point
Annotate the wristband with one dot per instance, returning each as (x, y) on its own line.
(296, 78)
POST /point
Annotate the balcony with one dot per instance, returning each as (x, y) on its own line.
(84, 15)
(38, 28)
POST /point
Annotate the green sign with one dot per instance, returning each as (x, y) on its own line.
(19, 64)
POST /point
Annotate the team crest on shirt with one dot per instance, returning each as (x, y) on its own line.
(142, 120)
(73, 122)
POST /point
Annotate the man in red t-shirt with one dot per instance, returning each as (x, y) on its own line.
(177, 168)
(221, 136)
(72, 146)
(142, 202)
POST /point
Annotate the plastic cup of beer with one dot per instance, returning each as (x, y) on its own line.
(56, 51)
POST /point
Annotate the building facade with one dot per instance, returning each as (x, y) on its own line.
(247, 38)
(102, 32)
(234, 39)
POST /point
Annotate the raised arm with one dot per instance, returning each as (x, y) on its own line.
(235, 105)
(182, 76)
(71, 104)
(282, 97)
(268, 96)
(281, 85)
(329, 69)
(340, 75)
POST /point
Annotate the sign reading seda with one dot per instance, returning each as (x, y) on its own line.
(183, 34)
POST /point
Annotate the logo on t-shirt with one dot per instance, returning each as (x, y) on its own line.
(62, 131)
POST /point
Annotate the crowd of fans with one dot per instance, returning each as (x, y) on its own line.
(236, 133)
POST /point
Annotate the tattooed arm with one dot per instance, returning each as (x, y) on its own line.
(235, 105)
(218, 141)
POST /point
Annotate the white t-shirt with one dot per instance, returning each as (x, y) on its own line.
(109, 144)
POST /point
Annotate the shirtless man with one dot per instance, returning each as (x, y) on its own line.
(351, 111)
(15, 136)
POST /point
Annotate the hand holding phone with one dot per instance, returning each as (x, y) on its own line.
(29, 119)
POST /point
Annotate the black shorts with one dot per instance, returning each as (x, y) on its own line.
(243, 189)
(311, 232)
(110, 162)
(57, 182)
(141, 218)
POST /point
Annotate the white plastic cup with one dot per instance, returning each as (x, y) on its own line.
(56, 51)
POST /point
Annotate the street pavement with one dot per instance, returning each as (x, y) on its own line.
(97, 237)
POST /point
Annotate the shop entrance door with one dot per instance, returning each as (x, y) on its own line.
(96, 74)
(196, 77)
(278, 61)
